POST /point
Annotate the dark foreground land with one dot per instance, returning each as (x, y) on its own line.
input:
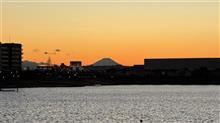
(98, 82)
(125, 76)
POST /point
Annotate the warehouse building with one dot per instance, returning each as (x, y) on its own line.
(182, 63)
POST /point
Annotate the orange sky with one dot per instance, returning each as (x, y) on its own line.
(126, 32)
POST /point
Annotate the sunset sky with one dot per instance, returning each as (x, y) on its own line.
(127, 32)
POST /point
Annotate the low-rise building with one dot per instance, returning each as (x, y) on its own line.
(75, 63)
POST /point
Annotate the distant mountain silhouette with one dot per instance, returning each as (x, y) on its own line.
(29, 65)
(106, 62)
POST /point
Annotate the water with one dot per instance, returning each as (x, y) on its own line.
(107, 104)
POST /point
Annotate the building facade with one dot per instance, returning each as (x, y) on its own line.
(10, 57)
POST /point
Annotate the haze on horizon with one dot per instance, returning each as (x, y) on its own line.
(126, 32)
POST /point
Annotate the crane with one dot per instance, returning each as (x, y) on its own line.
(49, 61)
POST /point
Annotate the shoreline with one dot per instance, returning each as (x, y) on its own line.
(69, 83)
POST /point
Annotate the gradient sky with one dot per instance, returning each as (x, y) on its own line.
(126, 32)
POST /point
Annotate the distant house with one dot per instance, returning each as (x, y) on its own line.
(63, 66)
(76, 65)
(44, 67)
(181, 63)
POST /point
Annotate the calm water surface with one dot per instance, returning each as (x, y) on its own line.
(107, 104)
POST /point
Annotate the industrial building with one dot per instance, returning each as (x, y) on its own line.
(10, 57)
(181, 63)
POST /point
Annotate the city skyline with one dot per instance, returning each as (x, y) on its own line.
(125, 32)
